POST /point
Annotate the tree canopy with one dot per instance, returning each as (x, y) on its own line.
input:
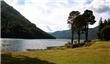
(79, 22)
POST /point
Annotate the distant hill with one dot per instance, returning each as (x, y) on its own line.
(66, 34)
(14, 25)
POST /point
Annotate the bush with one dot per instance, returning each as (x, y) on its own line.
(68, 44)
(105, 33)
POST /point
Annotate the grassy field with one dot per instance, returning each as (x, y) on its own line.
(97, 53)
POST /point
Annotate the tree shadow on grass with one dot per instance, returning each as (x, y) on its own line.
(8, 59)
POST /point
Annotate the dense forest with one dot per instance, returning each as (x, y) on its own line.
(104, 29)
(14, 25)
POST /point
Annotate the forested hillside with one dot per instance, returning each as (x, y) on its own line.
(14, 25)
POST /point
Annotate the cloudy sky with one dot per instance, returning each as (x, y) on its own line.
(51, 15)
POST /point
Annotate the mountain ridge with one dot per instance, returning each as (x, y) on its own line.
(66, 34)
(14, 25)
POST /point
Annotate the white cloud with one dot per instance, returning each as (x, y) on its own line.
(100, 6)
(51, 15)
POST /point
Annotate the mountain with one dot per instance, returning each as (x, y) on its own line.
(66, 34)
(14, 25)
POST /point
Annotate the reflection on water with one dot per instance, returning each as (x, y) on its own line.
(24, 44)
(11, 45)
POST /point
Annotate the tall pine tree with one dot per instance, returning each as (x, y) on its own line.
(101, 25)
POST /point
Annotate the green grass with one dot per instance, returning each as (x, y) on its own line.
(97, 53)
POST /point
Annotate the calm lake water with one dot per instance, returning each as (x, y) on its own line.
(24, 44)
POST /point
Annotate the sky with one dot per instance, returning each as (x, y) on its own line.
(52, 15)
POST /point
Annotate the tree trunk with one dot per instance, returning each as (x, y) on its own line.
(78, 37)
(72, 35)
(86, 33)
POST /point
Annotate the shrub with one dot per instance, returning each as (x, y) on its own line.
(68, 44)
(105, 33)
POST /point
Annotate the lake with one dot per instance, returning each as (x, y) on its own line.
(24, 44)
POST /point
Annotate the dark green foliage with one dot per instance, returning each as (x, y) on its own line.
(14, 25)
(105, 32)
(79, 23)
(101, 25)
(104, 29)
(108, 22)
(71, 21)
(89, 18)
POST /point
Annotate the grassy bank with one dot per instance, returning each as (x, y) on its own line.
(97, 53)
